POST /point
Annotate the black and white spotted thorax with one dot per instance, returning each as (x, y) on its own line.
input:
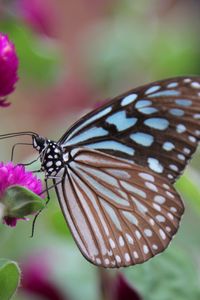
(51, 155)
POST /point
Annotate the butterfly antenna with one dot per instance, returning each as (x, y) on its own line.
(15, 134)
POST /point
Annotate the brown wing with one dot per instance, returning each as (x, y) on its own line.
(119, 213)
(156, 125)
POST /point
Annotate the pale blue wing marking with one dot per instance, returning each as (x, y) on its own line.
(152, 89)
(106, 192)
(129, 99)
(155, 165)
(86, 135)
(120, 120)
(148, 110)
(112, 145)
(130, 217)
(143, 103)
(168, 146)
(97, 116)
(166, 93)
(172, 85)
(183, 102)
(143, 139)
(111, 213)
(157, 123)
(176, 112)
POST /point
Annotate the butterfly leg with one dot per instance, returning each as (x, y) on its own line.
(47, 190)
(37, 171)
(48, 198)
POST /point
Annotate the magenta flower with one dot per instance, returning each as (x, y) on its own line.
(8, 68)
(11, 175)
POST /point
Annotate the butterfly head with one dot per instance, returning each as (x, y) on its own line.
(39, 143)
(51, 155)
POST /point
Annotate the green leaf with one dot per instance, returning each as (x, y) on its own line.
(20, 202)
(39, 59)
(190, 190)
(172, 275)
(9, 278)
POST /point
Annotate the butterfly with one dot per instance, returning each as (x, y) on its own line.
(114, 171)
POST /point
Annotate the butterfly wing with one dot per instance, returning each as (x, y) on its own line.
(119, 213)
(156, 125)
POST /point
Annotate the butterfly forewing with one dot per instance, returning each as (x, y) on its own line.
(119, 213)
(156, 125)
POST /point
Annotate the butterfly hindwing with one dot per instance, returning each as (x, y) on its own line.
(155, 125)
(119, 213)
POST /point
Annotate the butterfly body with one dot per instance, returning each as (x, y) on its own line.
(51, 155)
(114, 171)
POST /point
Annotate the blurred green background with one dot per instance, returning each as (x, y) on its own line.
(72, 55)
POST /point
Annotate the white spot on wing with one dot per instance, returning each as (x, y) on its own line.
(148, 232)
(129, 238)
(118, 258)
(180, 128)
(159, 199)
(160, 218)
(192, 139)
(157, 207)
(127, 257)
(173, 167)
(196, 116)
(155, 247)
(195, 85)
(187, 80)
(145, 249)
(147, 176)
(151, 186)
(138, 234)
(121, 241)
(112, 243)
(162, 234)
